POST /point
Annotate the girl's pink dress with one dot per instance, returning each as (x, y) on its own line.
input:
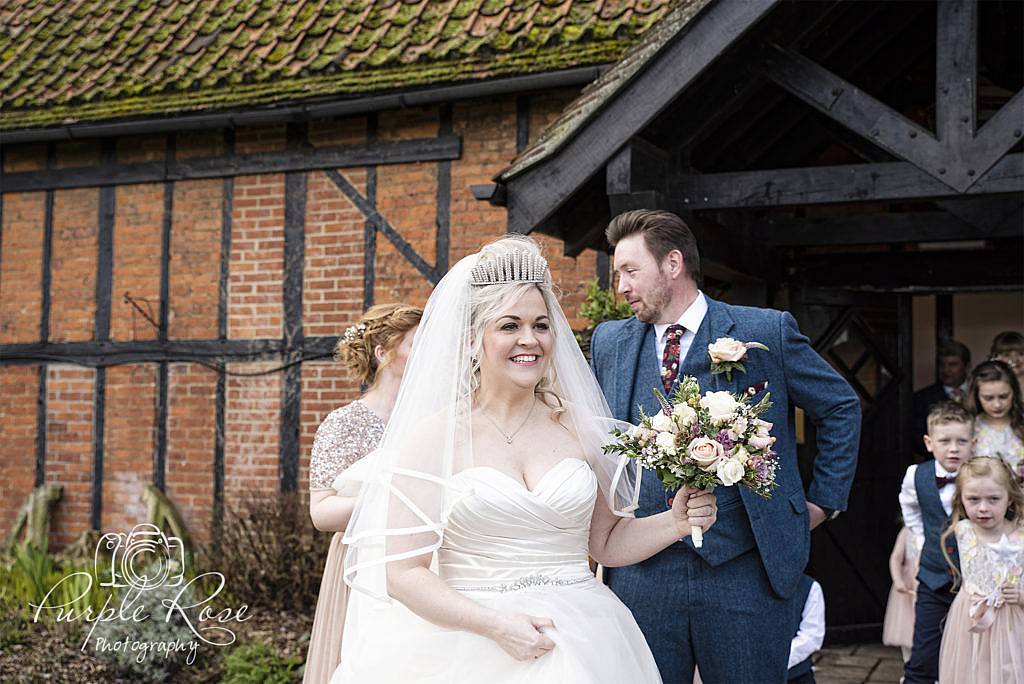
(983, 642)
(898, 627)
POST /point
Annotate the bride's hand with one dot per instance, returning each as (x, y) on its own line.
(521, 636)
(694, 508)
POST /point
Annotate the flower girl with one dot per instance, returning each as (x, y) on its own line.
(983, 642)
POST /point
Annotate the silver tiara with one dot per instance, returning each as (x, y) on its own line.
(517, 266)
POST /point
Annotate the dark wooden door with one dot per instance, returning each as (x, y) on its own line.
(867, 338)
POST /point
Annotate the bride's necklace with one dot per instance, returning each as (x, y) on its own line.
(508, 436)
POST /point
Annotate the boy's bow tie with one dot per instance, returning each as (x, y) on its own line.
(941, 482)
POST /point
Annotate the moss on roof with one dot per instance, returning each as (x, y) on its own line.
(71, 61)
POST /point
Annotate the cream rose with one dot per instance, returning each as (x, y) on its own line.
(741, 454)
(666, 441)
(763, 427)
(729, 471)
(720, 407)
(726, 349)
(685, 415)
(663, 423)
(705, 452)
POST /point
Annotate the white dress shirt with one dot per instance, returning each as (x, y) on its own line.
(691, 320)
(911, 507)
(951, 391)
(811, 633)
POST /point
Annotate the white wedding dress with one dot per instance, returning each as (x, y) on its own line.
(516, 550)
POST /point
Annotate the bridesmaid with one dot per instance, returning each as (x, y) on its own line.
(374, 350)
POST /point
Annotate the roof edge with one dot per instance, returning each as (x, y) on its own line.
(414, 97)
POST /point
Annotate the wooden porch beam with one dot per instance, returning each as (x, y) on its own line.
(834, 184)
(930, 226)
(956, 71)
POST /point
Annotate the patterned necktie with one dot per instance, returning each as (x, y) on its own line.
(670, 357)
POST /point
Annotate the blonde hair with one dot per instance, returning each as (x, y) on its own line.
(488, 302)
(984, 466)
(383, 325)
(946, 412)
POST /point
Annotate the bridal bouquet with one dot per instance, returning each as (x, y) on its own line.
(703, 441)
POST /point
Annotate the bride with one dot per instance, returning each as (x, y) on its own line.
(468, 549)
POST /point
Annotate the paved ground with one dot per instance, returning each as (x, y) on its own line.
(858, 664)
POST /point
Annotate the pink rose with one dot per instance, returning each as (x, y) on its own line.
(705, 452)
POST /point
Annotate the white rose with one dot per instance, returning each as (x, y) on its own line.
(705, 452)
(727, 349)
(720, 407)
(666, 441)
(730, 471)
(663, 423)
(760, 441)
(741, 454)
(684, 415)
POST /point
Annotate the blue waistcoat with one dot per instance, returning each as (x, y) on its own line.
(934, 571)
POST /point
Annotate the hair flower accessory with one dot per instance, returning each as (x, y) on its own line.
(354, 333)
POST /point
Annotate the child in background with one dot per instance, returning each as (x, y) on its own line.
(898, 626)
(1008, 347)
(926, 499)
(994, 398)
(983, 642)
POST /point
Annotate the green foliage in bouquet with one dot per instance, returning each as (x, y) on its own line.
(255, 663)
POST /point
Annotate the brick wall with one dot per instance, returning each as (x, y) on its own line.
(333, 293)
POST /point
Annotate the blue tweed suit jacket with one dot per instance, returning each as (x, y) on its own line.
(627, 368)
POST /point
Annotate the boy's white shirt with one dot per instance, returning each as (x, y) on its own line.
(811, 634)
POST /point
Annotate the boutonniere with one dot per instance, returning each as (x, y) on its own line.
(728, 355)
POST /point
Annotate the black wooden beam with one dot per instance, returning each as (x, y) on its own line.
(44, 321)
(384, 226)
(834, 184)
(294, 264)
(956, 71)
(991, 216)
(104, 285)
(163, 377)
(369, 226)
(861, 229)
(522, 122)
(306, 159)
(943, 320)
(536, 193)
(210, 352)
(442, 224)
(849, 105)
(919, 270)
(638, 166)
(220, 398)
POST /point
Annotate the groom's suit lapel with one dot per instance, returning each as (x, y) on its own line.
(627, 365)
(718, 322)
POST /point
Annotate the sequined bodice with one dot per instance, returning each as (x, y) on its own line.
(986, 565)
(501, 535)
(346, 435)
(997, 441)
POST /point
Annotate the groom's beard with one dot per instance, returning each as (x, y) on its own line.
(655, 303)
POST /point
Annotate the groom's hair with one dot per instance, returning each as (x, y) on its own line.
(663, 231)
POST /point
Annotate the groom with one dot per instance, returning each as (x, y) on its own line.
(724, 607)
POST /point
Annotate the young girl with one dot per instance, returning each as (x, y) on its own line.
(898, 627)
(983, 642)
(994, 398)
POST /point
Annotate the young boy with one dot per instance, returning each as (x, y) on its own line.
(927, 502)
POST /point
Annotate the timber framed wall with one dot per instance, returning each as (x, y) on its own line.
(169, 302)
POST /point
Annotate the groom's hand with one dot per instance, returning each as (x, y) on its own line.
(817, 514)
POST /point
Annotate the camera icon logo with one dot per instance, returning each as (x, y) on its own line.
(143, 559)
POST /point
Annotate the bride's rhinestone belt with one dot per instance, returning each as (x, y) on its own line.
(528, 582)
